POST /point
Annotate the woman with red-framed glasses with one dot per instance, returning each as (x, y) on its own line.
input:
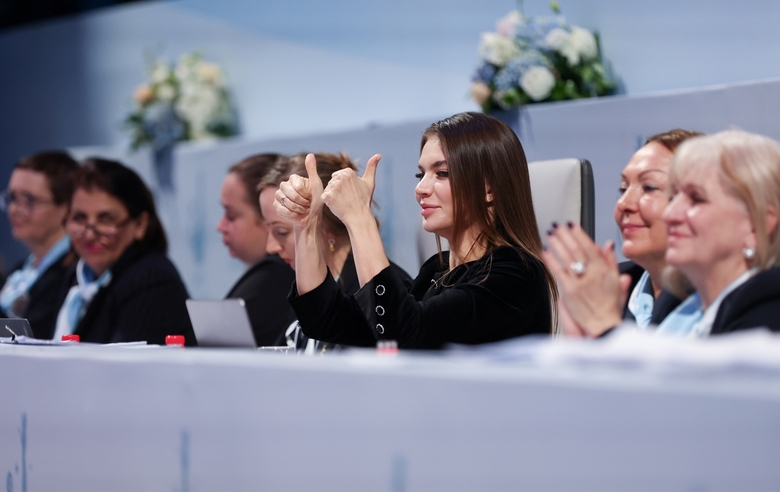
(123, 288)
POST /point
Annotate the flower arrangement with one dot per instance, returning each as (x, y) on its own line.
(185, 101)
(538, 59)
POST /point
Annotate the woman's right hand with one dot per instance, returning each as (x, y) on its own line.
(590, 286)
(299, 199)
(349, 196)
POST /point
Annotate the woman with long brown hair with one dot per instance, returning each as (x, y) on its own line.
(475, 192)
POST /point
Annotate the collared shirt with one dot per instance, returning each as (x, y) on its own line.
(14, 295)
(642, 301)
(689, 320)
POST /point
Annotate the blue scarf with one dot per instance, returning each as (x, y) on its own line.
(78, 299)
(15, 294)
(682, 320)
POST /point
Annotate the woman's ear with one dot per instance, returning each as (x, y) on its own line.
(488, 195)
(64, 211)
(771, 220)
(141, 224)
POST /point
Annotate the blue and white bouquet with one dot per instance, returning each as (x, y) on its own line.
(538, 59)
(185, 101)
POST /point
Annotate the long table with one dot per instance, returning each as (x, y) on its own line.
(159, 418)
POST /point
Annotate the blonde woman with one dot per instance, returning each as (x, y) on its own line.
(723, 243)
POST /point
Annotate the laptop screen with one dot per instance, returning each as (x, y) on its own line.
(221, 323)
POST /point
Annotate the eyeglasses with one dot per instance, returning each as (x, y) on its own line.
(25, 201)
(78, 227)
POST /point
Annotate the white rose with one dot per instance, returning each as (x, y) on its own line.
(187, 89)
(166, 92)
(160, 73)
(496, 49)
(182, 71)
(584, 42)
(571, 53)
(556, 39)
(537, 82)
(211, 73)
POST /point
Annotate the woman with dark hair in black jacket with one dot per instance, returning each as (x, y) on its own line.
(123, 288)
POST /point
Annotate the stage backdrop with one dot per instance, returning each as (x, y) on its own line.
(604, 131)
(303, 67)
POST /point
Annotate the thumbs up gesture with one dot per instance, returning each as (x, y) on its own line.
(298, 199)
(349, 196)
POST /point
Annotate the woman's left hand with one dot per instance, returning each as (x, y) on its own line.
(348, 195)
(588, 279)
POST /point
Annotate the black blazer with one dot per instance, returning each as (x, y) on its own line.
(662, 306)
(501, 295)
(349, 284)
(44, 296)
(264, 288)
(145, 300)
(754, 304)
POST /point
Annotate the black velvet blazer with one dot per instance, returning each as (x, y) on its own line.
(264, 288)
(501, 295)
(44, 300)
(754, 304)
(145, 300)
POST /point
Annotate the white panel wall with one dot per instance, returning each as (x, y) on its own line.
(604, 131)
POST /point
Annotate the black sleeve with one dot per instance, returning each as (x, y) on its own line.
(754, 304)
(326, 314)
(762, 314)
(510, 301)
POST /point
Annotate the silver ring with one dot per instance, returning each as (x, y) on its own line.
(578, 267)
(281, 200)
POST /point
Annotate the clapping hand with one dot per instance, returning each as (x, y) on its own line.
(591, 288)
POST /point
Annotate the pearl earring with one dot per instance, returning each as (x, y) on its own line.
(748, 252)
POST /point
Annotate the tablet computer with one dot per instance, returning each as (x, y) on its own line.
(221, 323)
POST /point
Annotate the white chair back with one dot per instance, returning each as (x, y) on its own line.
(562, 191)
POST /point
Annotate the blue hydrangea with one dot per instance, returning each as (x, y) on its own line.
(536, 31)
(509, 76)
(485, 73)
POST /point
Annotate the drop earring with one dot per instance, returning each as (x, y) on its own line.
(332, 245)
(748, 252)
